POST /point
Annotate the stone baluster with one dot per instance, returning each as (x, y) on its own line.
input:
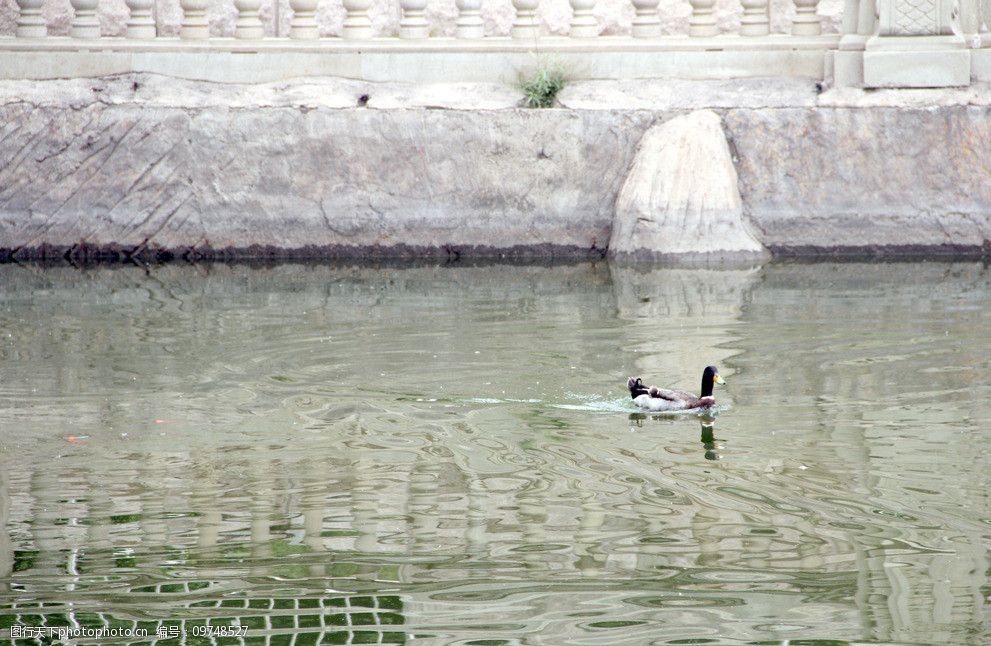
(754, 20)
(194, 22)
(583, 23)
(525, 25)
(304, 20)
(413, 25)
(356, 23)
(469, 23)
(249, 24)
(140, 24)
(30, 22)
(85, 24)
(702, 24)
(646, 24)
(806, 21)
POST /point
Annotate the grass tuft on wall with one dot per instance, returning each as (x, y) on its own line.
(542, 85)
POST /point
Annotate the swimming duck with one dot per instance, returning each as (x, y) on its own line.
(660, 399)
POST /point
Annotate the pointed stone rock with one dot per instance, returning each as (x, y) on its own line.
(680, 199)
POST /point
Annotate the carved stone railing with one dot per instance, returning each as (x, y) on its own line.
(755, 20)
(913, 43)
(707, 49)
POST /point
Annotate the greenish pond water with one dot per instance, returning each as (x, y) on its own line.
(450, 455)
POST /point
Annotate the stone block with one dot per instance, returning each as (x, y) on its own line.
(916, 61)
(848, 68)
(680, 198)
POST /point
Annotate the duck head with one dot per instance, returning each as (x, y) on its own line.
(635, 384)
(710, 376)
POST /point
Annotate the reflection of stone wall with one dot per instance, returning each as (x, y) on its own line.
(336, 619)
(706, 303)
(433, 537)
(336, 504)
(6, 547)
(694, 549)
(865, 396)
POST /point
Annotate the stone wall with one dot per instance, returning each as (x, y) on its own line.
(142, 165)
(614, 16)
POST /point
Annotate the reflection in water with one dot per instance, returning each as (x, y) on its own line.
(377, 455)
(709, 441)
(700, 310)
(6, 548)
(707, 422)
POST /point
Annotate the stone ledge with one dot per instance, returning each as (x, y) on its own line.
(978, 94)
(157, 91)
(393, 60)
(658, 95)
(892, 68)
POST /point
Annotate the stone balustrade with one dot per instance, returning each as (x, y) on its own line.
(762, 39)
(754, 20)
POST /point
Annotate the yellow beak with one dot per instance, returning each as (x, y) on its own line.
(718, 379)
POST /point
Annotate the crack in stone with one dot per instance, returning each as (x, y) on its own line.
(147, 171)
(23, 153)
(168, 218)
(86, 180)
(75, 167)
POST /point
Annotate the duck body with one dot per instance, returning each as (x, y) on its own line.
(661, 400)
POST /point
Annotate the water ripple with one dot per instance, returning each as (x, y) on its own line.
(385, 455)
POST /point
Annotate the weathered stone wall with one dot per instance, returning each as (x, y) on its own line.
(141, 164)
(614, 16)
(840, 177)
(283, 170)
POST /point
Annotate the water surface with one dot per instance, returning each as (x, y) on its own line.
(448, 454)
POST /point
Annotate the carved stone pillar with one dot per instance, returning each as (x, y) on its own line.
(917, 18)
(85, 24)
(304, 21)
(754, 21)
(806, 21)
(583, 23)
(984, 11)
(915, 46)
(249, 23)
(525, 25)
(357, 25)
(194, 22)
(30, 23)
(702, 24)
(470, 24)
(970, 18)
(646, 24)
(140, 24)
(859, 24)
(413, 25)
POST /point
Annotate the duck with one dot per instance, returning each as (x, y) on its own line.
(659, 400)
